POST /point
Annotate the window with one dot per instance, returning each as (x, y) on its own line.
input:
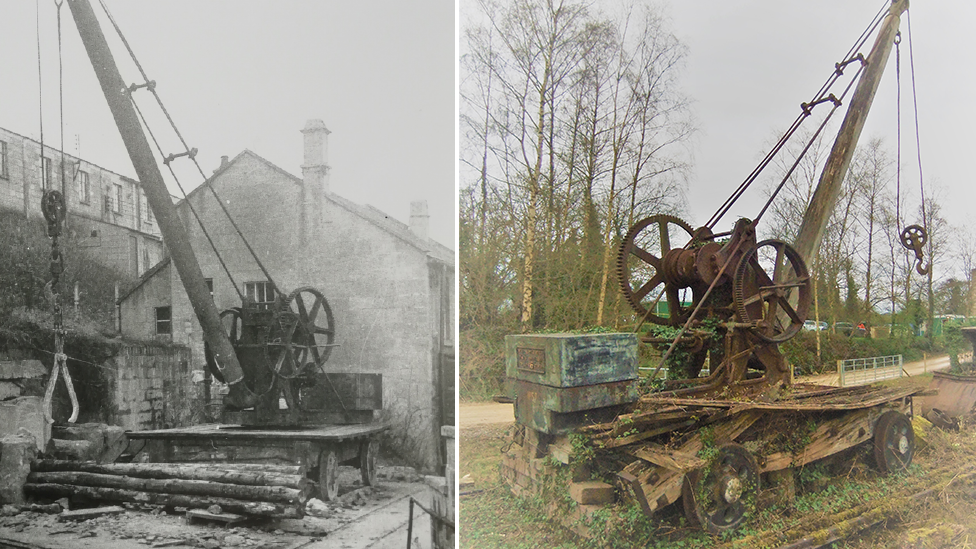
(145, 212)
(84, 193)
(164, 321)
(209, 282)
(47, 174)
(262, 293)
(3, 160)
(117, 204)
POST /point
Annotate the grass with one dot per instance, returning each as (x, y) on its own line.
(492, 517)
(827, 492)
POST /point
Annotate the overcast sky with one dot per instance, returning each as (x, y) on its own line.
(247, 74)
(751, 63)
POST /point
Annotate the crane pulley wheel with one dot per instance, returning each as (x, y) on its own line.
(53, 208)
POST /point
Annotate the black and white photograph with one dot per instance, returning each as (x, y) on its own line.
(228, 275)
(716, 274)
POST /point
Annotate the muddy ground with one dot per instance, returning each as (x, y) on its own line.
(363, 517)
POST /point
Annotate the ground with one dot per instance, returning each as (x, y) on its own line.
(364, 517)
(932, 505)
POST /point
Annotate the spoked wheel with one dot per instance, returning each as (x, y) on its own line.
(303, 334)
(367, 461)
(640, 270)
(772, 290)
(231, 319)
(894, 442)
(328, 475)
(718, 496)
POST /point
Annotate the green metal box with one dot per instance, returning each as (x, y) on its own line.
(571, 360)
(562, 381)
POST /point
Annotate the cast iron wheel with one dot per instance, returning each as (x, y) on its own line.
(894, 442)
(640, 271)
(772, 290)
(942, 420)
(302, 334)
(717, 496)
(231, 319)
(367, 461)
(328, 475)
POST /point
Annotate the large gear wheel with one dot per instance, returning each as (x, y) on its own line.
(640, 270)
(302, 334)
(771, 289)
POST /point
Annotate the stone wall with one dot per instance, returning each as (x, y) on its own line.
(152, 388)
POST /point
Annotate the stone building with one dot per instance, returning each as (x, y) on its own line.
(106, 211)
(390, 287)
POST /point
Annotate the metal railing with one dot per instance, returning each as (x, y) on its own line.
(861, 371)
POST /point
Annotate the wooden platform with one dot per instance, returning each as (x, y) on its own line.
(237, 433)
(809, 398)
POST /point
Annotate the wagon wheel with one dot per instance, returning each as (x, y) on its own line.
(328, 475)
(231, 319)
(771, 290)
(640, 269)
(942, 420)
(367, 461)
(303, 333)
(717, 496)
(894, 442)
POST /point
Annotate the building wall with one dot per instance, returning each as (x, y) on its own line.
(386, 300)
(114, 222)
(138, 310)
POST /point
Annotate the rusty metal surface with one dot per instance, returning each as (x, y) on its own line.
(561, 409)
(956, 394)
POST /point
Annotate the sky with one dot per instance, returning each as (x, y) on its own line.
(247, 74)
(751, 63)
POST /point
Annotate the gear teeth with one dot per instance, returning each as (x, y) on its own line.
(623, 270)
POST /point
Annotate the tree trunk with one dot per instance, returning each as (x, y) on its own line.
(260, 508)
(272, 494)
(204, 472)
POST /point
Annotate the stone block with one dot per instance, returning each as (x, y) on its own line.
(25, 413)
(9, 390)
(591, 492)
(21, 369)
(16, 453)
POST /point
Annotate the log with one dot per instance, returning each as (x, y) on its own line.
(275, 494)
(172, 471)
(258, 508)
(256, 467)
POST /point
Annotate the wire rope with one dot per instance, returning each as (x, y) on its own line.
(189, 152)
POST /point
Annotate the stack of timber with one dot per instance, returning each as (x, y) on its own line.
(256, 490)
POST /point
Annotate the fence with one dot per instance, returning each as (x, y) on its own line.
(861, 371)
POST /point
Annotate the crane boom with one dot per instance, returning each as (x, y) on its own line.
(828, 187)
(170, 225)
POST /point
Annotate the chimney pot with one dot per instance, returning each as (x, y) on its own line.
(419, 219)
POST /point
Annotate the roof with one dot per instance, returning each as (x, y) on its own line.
(434, 250)
(145, 278)
(371, 214)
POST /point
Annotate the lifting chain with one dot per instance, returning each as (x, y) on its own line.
(53, 207)
(913, 237)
